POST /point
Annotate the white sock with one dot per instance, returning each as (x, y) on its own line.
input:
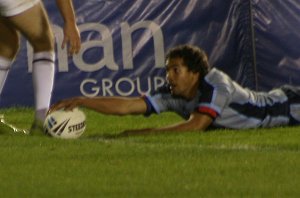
(5, 65)
(43, 79)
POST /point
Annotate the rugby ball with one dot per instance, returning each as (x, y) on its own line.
(65, 124)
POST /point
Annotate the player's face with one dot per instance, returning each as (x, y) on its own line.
(182, 81)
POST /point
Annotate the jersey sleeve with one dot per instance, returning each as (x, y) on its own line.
(208, 111)
(155, 102)
(162, 101)
(152, 105)
(214, 98)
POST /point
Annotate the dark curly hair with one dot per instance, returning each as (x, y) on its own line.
(193, 57)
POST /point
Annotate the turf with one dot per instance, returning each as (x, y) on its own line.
(226, 163)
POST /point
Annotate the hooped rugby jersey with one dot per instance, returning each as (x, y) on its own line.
(229, 104)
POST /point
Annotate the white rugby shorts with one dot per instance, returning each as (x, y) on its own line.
(13, 7)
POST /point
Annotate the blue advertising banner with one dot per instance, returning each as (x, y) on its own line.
(277, 41)
(124, 43)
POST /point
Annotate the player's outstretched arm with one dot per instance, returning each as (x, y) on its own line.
(105, 105)
(198, 122)
(71, 32)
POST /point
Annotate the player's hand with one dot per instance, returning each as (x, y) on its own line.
(71, 39)
(67, 104)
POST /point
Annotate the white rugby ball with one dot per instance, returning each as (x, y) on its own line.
(65, 124)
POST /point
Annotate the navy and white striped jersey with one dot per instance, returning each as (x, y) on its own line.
(232, 106)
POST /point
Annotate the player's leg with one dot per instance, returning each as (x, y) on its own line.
(9, 45)
(293, 94)
(34, 25)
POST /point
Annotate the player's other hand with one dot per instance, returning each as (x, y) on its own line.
(71, 39)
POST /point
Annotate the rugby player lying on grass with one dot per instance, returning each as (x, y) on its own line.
(203, 96)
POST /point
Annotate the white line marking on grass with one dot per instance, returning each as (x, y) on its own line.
(179, 145)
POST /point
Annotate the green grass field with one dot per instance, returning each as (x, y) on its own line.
(227, 163)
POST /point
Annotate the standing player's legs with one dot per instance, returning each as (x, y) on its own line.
(9, 45)
(34, 25)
